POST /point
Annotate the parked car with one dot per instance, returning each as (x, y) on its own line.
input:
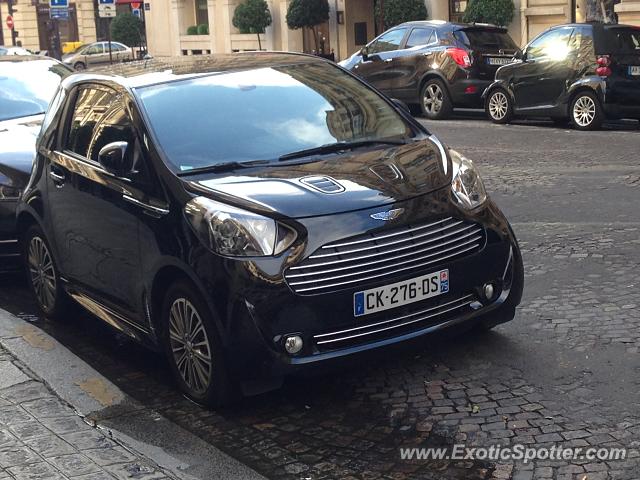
(341, 226)
(97, 53)
(437, 65)
(14, 51)
(27, 84)
(585, 73)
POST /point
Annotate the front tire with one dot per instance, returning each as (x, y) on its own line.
(586, 112)
(79, 66)
(499, 107)
(193, 347)
(43, 275)
(435, 101)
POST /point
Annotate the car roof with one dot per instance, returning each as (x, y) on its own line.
(24, 58)
(451, 25)
(155, 71)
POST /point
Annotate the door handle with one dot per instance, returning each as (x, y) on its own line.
(147, 208)
(57, 177)
(388, 60)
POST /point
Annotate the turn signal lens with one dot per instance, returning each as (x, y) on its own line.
(604, 61)
(603, 71)
(460, 56)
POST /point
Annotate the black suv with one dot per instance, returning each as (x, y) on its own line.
(256, 214)
(584, 73)
(438, 65)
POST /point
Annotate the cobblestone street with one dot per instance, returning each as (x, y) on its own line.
(566, 370)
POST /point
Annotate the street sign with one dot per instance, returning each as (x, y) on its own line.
(59, 13)
(135, 5)
(147, 6)
(9, 22)
(107, 10)
(59, 3)
(137, 12)
(107, 2)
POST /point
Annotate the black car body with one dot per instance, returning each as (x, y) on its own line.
(27, 84)
(585, 73)
(249, 179)
(437, 65)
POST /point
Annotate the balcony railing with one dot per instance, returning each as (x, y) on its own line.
(196, 44)
(244, 42)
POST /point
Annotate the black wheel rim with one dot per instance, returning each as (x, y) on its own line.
(190, 345)
(42, 273)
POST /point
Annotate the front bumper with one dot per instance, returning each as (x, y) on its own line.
(260, 308)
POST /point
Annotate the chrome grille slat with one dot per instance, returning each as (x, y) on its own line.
(396, 257)
(387, 273)
(402, 249)
(371, 270)
(371, 325)
(394, 250)
(388, 235)
(391, 327)
(387, 244)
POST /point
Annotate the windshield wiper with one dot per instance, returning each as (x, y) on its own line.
(337, 147)
(221, 167)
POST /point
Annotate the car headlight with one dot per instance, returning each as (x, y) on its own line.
(467, 185)
(234, 232)
(7, 190)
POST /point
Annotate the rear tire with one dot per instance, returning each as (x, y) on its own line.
(499, 106)
(43, 274)
(435, 101)
(193, 347)
(79, 66)
(586, 111)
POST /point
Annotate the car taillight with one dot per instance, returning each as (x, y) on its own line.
(604, 64)
(460, 56)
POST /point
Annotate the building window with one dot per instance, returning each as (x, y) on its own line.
(457, 9)
(360, 33)
(202, 12)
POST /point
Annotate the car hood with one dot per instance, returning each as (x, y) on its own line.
(17, 147)
(360, 179)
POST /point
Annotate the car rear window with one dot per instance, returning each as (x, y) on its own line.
(486, 39)
(625, 41)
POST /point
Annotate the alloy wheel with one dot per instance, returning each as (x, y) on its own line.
(42, 272)
(190, 345)
(498, 105)
(433, 99)
(584, 111)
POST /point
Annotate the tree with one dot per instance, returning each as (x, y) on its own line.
(400, 11)
(127, 28)
(496, 12)
(308, 14)
(252, 16)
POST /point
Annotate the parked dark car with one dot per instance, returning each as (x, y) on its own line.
(253, 215)
(585, 73)
(27, 85)
(437, 65)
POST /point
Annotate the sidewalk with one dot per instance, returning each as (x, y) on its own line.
(43, 438)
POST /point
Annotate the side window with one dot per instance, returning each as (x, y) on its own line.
(388, 41)
(421, 36)
(552, 45)
(99, 118)
(94, 49)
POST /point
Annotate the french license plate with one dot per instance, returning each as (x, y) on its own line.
(634, 70)
(498, 61)
(401, 293)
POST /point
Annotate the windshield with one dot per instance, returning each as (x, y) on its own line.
(486, 39)
(27, 87)
(264, 114)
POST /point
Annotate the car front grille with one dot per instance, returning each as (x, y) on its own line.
(384, 254)
(379, 327)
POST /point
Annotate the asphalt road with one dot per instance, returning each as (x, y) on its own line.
(565, 371)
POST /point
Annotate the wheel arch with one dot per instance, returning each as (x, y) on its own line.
(432, 74)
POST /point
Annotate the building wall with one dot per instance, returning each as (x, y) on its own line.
(26, 23)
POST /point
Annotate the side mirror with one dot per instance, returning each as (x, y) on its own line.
(364, 53)
(520, 55)
(401, 105)
(113, 159)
